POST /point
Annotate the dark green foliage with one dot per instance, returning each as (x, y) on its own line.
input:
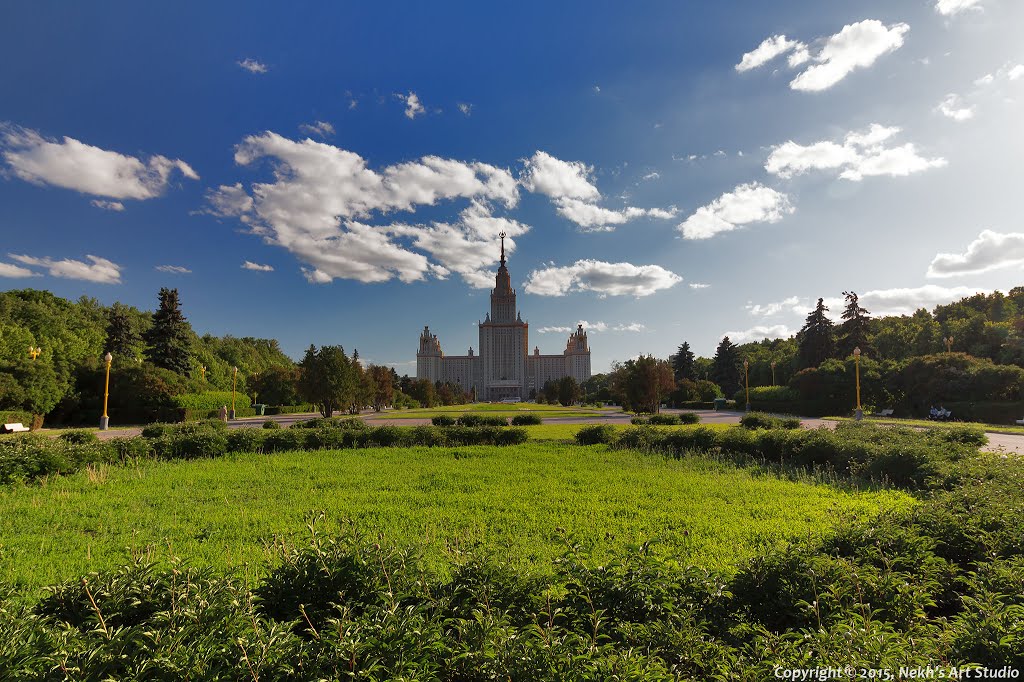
(639, 421)
(271, 424)
(683, 363)
(328, 379)
(442, 420)
(666, 420)
(169, 339)
(725, 366)
(245, 440)
(687, 418)
(349, 423)
(79, 437)
(526, 420)
(640, 385)
(124, 341)
(28, 457)
(760, 420)
(854, 330)
(817, 337)
(596, 434)
(481, 420)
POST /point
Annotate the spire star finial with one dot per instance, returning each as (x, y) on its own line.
(502, 235)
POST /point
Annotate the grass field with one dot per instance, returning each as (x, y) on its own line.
(924, 423)
(520, 504)
(497, 410)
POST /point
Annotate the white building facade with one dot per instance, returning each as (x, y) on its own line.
(504, 369)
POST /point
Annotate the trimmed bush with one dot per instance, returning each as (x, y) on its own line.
(245, 440)
(760, 420)
(664, 420)
(598, 434)
(688, 418)
(481, 420)
(157, 430)
(211, 400)
(640, 421)
(79, 437)
(526, 420)
(283, 440)
(271, 424)
(442, 420)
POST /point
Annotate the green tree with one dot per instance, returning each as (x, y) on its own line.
(725, 366)
(276, 385)
(422, 391)
(38, 389)
(383, 386)
(569, 392)
(169, 340)
(641, 384)
(817, 337)
(327, 379)
(123, 339)
(856, 326)
(683, 363)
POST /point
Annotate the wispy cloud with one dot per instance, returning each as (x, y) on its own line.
(252, 66)
(173, 269)
(257, 267)
(98, 270)
(606, 279)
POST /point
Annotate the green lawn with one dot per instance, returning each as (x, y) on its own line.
(925, 423)
(517, 503)
(497, 410)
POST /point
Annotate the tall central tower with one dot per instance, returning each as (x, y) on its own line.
(504, 339)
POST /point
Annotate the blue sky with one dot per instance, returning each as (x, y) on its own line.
(666, 171)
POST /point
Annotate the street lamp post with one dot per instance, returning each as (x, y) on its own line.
(34, 351)
(746, 380)
(105, 420)
(859, 414)
(234, 380)
(949, 343)
(773, 372)
(202, 370)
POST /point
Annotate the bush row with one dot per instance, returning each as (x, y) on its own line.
(900, 457)
(477, 420)
(33, 456)
(667, 419)
(761, 420)
(211, 400)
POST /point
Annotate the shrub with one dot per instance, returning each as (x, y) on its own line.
(130, 448)
(79, 437)
(245, 440)
(513, 436)
(271, 424)
(966, 435)
(664, 420)
(284, 439)
(211, 400)
(758, 420)
(688, 418)
(442, 420)
(596, 434)
(199, 444)
(526, 420)
(640, 421)
(157, 430)
(481, 420)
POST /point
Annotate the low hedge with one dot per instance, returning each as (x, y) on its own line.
(527, 420)
(481, 420)
(350, 423)
(290, 409)
(442, 420)
(211, 400)
(760, 420)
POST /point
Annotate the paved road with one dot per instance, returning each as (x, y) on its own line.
(997, 442)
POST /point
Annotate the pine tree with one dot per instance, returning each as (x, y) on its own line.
(682, 363)
(817, 338)
(122, 339)
(169, 340)
(725, 366)
(853, 332)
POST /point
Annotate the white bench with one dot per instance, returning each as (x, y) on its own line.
(885, 413)
(16, 427)
(1020, 421)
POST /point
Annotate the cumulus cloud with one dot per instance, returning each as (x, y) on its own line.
(257, 267)
(318, 128)
(904, 301)
(856, 46)
(775, 331)
(699, 285)
(749, 203)
(75, 165)
(606, 279)
(594, 218)
(15, 271)
(252, 66)
(793, 304)
(951, 7)
(107, 205)
(598, 327)
(1015, 72)
(860, 154)
(953, 107)
(99, 270)
(413, 106)
(173, 269)
(990, 251)
(557, 179)
(768, 50)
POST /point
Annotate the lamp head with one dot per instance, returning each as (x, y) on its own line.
(108, 357)
(856, 352)
(746, 363)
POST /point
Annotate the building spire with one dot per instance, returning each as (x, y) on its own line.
(502, 235)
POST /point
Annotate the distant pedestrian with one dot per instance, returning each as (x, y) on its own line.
(222, 414)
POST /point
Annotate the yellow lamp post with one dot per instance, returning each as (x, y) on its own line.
(234, 381)
(202, 370)
(949, 343)
(105, 420)
(746, 380)
(773, 372)
(34, 351)
(859, 414)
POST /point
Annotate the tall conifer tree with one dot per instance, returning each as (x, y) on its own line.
(817, 338)
(169, 340)
(853, 332)
(682, 363)
(725, 370)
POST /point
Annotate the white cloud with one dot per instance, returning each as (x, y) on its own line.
(544, 174)
(775, 331)
(654, 175)
(173, 269)
(749, 203)
(413, 106)
(951, 7)
(1015, 72)
(100, 270)
(862, 153)
(768, 50)
(987, 79)
(554, 330)
(793, 304)
(856, 46)
(594, 218)
(249, 265)
(107, 205)
(953, 107)
(598, 327)
(252, 66)
(606, 279)
(75, 165)
(990, 251)
(699, 285)
(465, 108)
(318, 128)
(904, 301)
(15, 271)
